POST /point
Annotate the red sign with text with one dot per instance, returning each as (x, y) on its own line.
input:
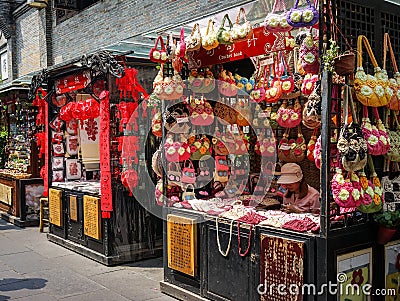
(262, 42)
(72, 82)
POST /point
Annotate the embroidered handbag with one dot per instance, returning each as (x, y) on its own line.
(168, 87)
(180, 50)
(289, 116)
(311, 117)
(309, 53)
(275, 22)
(261, 117)
(200, 147)
(193, 42)
(171, 147)
(375, 135)
(174, 174)
(258, 93)
(156, 124)
(311, 145)
(371, 90)
(346, 189)
(273, 88)
(371, 191)
(287, 80)
(308, 84)
(241, 32)
(204, 171)
(188, 194)
(297, 78)
(268, 144)
(241, 144)
(227, 84)
(243, 112)
(351, 144)
(176, 121)
(292, 150)
(201, 81)
(171, 47)
(297, 17)
(225, 35)
(394, 153)
(201, 112)
(210, 40)
(222, 143)
(188, 173)
(245, 84)
(394, 83)
(156, 55)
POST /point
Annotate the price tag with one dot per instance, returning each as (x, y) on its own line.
(182, 119)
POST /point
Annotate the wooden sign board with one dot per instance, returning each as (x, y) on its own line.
(55, 207)
(281, 261)
(181, 237)
(261, 42)
(73, 208)
(91, 217)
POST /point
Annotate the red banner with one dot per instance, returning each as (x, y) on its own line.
(72, 82)
(262, 42)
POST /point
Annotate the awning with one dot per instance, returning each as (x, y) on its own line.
(21, 83)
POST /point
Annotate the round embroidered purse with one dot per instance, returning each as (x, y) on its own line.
(293, 149)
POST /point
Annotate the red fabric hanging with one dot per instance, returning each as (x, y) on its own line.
(105, 168)
(129, 86)
(45, 168)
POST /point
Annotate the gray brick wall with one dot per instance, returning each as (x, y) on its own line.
(30, 42)
(110, 21)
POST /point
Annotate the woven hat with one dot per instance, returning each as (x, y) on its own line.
(290, 173)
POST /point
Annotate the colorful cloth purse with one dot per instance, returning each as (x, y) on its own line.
(156, 124)
(245, 84)
(241, 32)
(309, 53)
(258, 93)
(273, 89)
(287, 80)
(222, 143)
(201, 112)
(168, 87)
(201, 81)
(351, 144)
(180, 50)
(312, 110)
(371, 90)
(210, 41)
(267, 144)
(176, 151)
(174, 174)
(346, 191)
(297, 17)
(225, 35)
(371, 191)
(394, 83)
(275, 22)
(204, 171)
(200, 147)
(188, 194)
(394, 153)
(159, 56)
(188, 173)
(193, 42)
(308, 84)
(292, 150)
(227, 84)
(311, 146)
(261, 117)
(375, 135)
(289, 116)
(243, 110)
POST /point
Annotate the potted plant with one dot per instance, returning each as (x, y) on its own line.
(389, 222)
(335, 61)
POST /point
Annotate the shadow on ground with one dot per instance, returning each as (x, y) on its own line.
(149, 263)
(15, 284)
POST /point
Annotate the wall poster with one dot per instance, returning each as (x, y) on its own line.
(33, 193)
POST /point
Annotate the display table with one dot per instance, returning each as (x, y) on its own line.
(19, 198)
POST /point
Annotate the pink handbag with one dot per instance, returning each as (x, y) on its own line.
(309, 53)
(289, 116)
(201, 112)
(180, 50)
(277, 22)
(188, 173)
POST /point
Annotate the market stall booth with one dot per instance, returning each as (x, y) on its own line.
(250, 112)
(21, 156)
(90, 210)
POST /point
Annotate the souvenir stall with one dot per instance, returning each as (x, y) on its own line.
(244, 105)
(90, 122)
(20, 184)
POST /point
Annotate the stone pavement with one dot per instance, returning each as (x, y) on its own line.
(34, 269)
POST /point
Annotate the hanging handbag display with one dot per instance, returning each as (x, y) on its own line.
(375, 135)
(261, 117)
(267, 144)
(289, 116)
(201, 147)
(210, 40)
(174, 174)
(241, 32)
(394, 83)
(308, 84)
(351, 144)
(311, 116)
(168, 87)
(201, 112)
(311, 145)
(243, 110)
(156, 124)
(273, 88)
(394, 137)
(258, 93)
(227, 84)
(156, 55)
(204, 171)
(309, 53)
(225, 35)
(304, 17)
(222, 143)
(372, 192)
(180, 50)
(346, 189)
(371, 90)
(188, 194)
(193, 41)
(275, 22)
(201, 81)
(292, 149)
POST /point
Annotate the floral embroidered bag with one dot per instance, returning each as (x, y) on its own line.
(277, 22)
(394, 83)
